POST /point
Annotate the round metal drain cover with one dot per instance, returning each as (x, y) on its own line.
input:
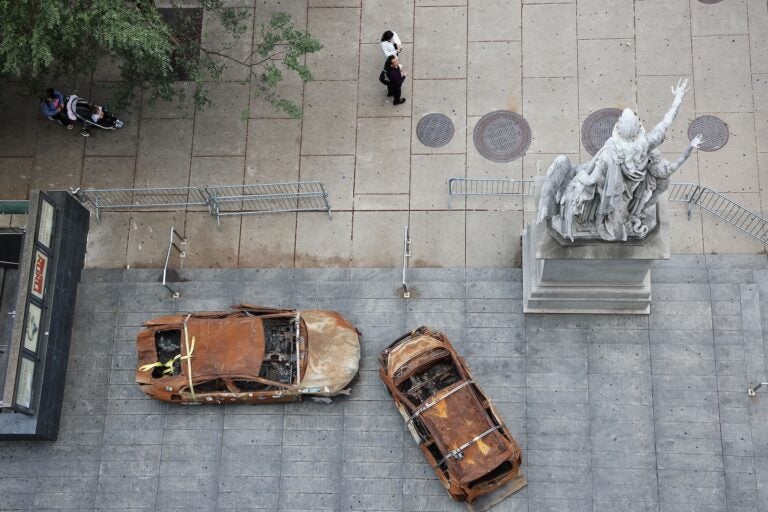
(502, 136)
(435, 130)
(713, 129)
(597, 128)
(710, 1)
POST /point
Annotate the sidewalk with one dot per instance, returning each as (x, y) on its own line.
(554, 63)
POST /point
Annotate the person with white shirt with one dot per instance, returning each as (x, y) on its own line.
(390, 43)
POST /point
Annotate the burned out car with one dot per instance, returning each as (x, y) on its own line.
(450, 418)
(251, 354)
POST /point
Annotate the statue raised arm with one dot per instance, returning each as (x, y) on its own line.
(661, 169)
(659, 132)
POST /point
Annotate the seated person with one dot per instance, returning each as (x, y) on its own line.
(103, 118)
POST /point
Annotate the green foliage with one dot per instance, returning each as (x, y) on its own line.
(42, 41)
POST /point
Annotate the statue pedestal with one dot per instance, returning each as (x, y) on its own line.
(591, 277)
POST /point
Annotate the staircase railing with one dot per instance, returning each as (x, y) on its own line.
(177, 247)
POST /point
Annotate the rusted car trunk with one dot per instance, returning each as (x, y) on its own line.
(450, 418)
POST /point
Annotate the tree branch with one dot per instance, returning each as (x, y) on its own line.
(243, 63)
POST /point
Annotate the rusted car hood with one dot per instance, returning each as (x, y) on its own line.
(333, 354)
(407, 351)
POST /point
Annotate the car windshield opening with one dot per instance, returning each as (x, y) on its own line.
(437, 374)
(280, 361)
(168, 346)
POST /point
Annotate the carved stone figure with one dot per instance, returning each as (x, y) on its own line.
(613, 196)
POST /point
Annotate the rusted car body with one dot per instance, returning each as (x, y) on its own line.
(450, 418)
(250, 354)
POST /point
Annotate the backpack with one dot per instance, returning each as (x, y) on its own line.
(383, 78)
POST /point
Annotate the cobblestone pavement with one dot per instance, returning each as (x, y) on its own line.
(554, 62)
(631, 413)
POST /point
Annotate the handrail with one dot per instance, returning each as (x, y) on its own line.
(182, 254)
(406, 259)
(753, 391)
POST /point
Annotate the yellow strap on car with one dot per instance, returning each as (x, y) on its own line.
(188, 357)
(168, 365)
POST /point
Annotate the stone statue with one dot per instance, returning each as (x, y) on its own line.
(613, 196)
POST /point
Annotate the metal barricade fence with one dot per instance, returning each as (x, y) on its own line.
(304, 196)
(695, 195)
(488, 187)
(126, 199)
(720, 206)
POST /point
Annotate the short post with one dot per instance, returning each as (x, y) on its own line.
(753, 391)
(406, 258)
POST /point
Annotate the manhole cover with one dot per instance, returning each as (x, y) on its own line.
(502, 136)
(710, 1)
(597, 128)
(435, 130)
(713, 129)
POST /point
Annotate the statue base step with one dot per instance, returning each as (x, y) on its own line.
(591, 277)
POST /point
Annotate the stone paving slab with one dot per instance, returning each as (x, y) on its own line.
(612, 411)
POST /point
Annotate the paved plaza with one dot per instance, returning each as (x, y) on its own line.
(554, 62)
(613, 412)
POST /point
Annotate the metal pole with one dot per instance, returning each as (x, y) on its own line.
(406, 257)
(753, 391)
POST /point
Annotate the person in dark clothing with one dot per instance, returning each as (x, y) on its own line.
(54, 108)
(396, 78)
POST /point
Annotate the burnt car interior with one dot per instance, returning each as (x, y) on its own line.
(432, 373)
(279, 365)
(168, 347)
(280, 357)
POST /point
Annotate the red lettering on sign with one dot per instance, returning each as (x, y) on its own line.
(37, 283)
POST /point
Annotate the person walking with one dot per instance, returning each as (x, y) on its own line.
(396, 78)
(54, 108)
(390, 43)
